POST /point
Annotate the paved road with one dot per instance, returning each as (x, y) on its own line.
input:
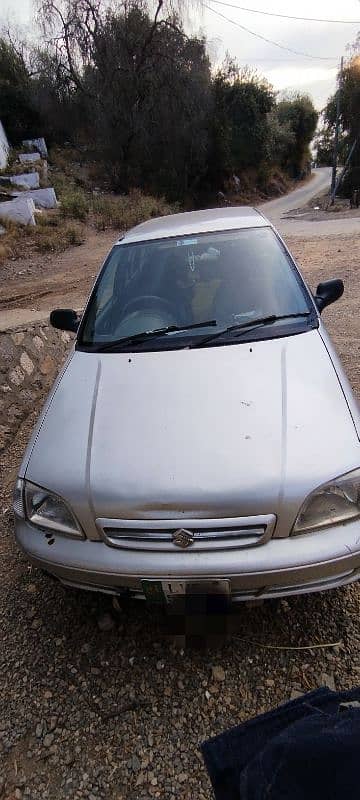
(275, 209)
(320, 180)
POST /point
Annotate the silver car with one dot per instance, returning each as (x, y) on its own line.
(202, 435)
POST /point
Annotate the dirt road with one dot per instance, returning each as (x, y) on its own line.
(32, 286)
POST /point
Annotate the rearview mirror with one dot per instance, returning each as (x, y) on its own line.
(328, 292)
(66, 319)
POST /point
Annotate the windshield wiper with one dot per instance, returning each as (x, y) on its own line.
(243, 327)
(137, 338)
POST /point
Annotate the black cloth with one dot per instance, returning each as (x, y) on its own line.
(306, 749)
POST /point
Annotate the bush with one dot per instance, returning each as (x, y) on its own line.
(74, 235)
(124, 212)
(74, 203)
(54, 239)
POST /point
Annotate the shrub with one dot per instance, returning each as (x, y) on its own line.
(74, 235)
(74, 203)
(124, 212)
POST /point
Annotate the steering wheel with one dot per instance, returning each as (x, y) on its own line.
(148, 301)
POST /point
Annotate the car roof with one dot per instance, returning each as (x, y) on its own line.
(192, 222)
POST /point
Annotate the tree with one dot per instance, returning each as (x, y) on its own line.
(143, 85)
(242, 101)
(349, 122)
(17, 111)
(298, 113)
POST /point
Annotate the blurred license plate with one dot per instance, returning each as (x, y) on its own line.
(165, 591)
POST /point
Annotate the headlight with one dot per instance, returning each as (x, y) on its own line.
(337, 501)
(44, 509)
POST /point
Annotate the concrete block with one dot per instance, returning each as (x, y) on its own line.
(37, 144)
(43, 198)
(20, 210)
(26, 158)
(4, 147)
(29, 180)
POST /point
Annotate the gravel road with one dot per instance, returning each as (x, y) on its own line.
(98, 703)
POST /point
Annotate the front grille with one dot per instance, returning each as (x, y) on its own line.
(204, 535)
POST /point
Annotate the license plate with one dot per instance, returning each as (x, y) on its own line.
(161, 592)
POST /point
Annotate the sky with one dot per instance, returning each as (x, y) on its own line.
(284, 70)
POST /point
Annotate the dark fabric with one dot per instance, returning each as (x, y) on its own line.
(307, 748)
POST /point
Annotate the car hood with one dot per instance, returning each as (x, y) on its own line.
(223, 431)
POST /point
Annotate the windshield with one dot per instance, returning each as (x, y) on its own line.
(227, 278)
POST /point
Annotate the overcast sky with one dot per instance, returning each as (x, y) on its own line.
(284, 70)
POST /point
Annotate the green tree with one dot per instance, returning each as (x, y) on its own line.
(17, 111)
(349, 122)
(297, 113)
(242, 101)
(143, 86)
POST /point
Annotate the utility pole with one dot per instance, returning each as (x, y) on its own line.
(336, 137)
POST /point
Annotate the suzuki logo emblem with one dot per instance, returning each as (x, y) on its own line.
(183, 538)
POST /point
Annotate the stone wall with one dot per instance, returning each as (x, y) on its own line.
(30, 358)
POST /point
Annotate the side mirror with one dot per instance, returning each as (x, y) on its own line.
(65, 319)
(328, 292)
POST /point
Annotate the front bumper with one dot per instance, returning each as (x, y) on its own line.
(295, 565)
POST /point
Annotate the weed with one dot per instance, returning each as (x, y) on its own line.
(74, 235)
(124, 212)
(74, 203)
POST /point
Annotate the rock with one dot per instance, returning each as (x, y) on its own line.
(218, 673)
(20, 210)
(17, 338)
(160, 665)
(328, 680)
(16, 376)
(24, 158)
(39, 730)
(39, 344)
(47, 366)
(48, 739)
(42, 198)
(294, 694)
(135, 764)
(38, 144)
(28, 180)
(105, 622)
(26, 363)
(31, 588)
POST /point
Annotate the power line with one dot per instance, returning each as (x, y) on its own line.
(269, 41)
(287, 16)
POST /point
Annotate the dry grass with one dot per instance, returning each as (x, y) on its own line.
(51, 234)
(48, 239)
(122, 213)
(74, 204)
(73, 182)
